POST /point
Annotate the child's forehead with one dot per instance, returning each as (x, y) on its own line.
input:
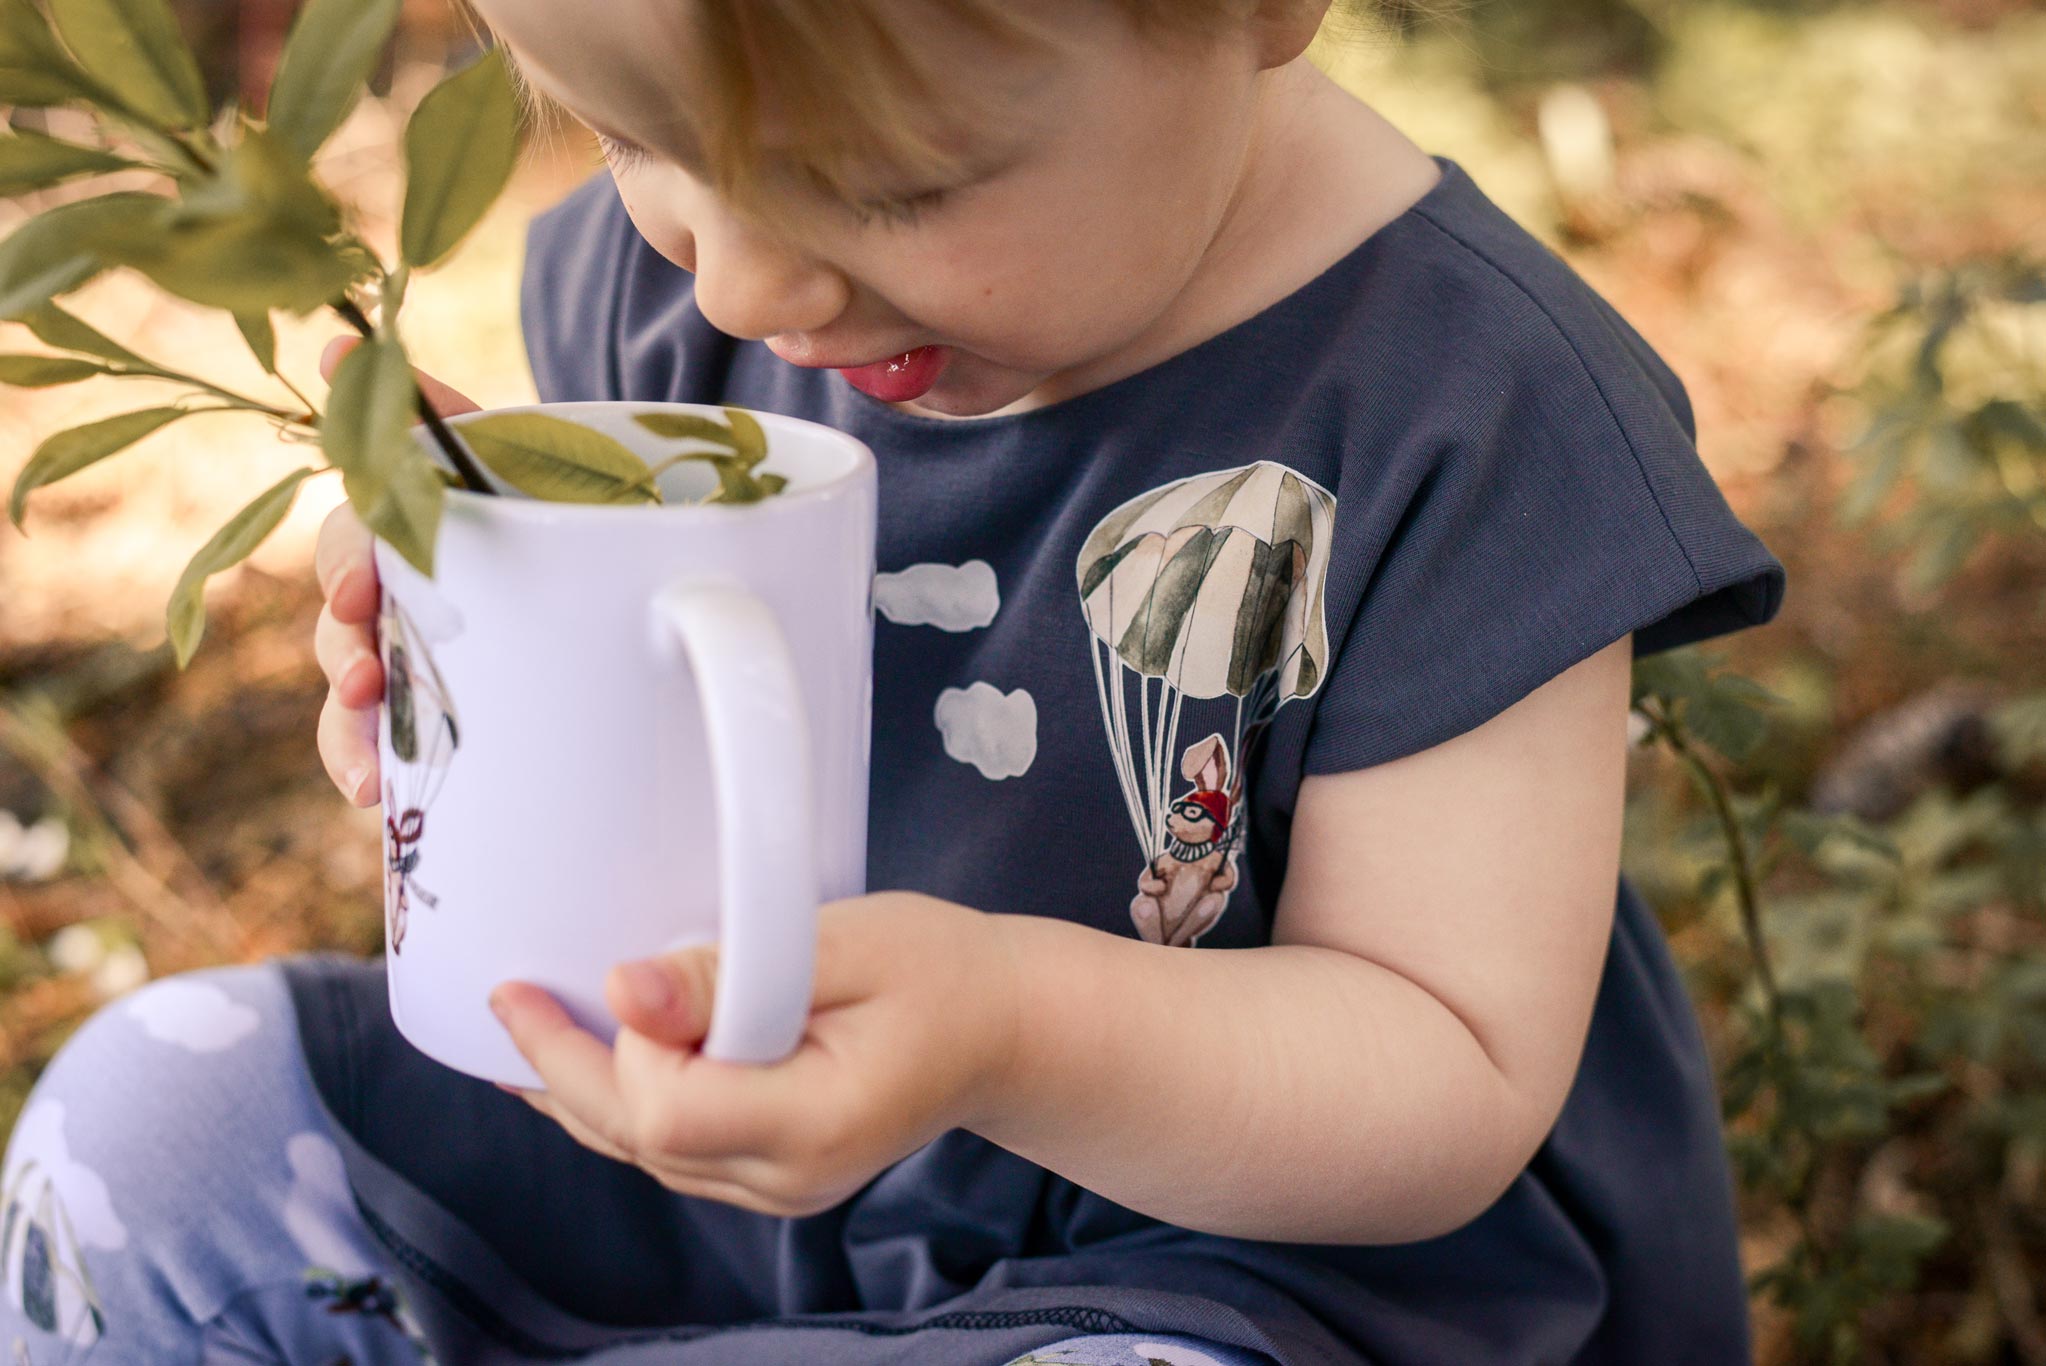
(876, 81)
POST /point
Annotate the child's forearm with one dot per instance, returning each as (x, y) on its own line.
(1290, 1092)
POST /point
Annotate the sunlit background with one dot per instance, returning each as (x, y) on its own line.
(1831, 219)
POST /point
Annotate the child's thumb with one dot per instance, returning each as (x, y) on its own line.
(667, 999)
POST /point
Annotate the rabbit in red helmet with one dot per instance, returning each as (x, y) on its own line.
(1184, 890)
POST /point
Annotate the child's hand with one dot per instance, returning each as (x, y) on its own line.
(345, 640)
(911, 1027)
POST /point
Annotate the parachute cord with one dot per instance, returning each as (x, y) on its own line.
(1118, 747)
(1169, 700)
(1151, 807)
(1236, 750)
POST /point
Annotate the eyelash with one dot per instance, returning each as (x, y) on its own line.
(621, 155)
(900, 212)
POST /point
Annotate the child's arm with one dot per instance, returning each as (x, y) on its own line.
(1380, 1073)
(1390, 1065)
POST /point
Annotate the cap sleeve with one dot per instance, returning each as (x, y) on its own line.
(1550, 513)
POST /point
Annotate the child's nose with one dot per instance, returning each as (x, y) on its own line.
(750, 284)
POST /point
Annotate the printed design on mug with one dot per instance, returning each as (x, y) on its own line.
(1204, 607)
(419, 717)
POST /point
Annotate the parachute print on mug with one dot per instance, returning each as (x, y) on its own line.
(424, 733)
(1208, 590)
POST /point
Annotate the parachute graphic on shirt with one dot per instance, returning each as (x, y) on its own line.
(1210, 587)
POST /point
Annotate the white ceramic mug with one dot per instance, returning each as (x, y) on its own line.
(611, 731)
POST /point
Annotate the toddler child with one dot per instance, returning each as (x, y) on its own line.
(1267, 526)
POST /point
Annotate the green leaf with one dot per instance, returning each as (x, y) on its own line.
(2019, 728)
(460, 147)
(134, 49)
(54, 327)
(688, 427)
(747, 437)
(261, 337)
(35, 161)
(40, 372)
(561, 461)
(35, 71)
(1942, 550)
(333, 49)
(367, 434)
(250, 238)
(52, 253)
(233, 543)
(67, 452)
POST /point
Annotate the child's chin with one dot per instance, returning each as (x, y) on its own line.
(961, 392)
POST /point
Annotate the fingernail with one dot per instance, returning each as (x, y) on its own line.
(357, 776)
(506, 1087)
(649, 986)
(497, 1005)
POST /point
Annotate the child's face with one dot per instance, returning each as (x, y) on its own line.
(1089, 202)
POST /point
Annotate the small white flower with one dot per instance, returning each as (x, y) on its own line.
(35, 853)
(40, 851)
(1637, 728)
(124, 970)
(77, 949)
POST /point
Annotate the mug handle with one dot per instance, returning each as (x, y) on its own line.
(759, 734)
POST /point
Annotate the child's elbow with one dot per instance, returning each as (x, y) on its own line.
(1490, 1174)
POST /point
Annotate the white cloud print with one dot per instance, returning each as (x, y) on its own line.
(39, 1138)
(56, 1208)
(319, 1212)
(951, 597)
(994, 731)
(1171, 1354)
(196, 1016)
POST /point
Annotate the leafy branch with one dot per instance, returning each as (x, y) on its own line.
(245, 227)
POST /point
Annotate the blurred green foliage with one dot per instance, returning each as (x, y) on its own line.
(1884, 984)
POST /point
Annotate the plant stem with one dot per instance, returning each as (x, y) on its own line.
(305, 402)
(1737, 853)
(470, 472)
(241, 401)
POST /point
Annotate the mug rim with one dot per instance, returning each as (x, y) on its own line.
(503, 505)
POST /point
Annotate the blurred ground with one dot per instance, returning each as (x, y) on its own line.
(1765, 194)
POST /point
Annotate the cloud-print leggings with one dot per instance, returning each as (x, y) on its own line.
(175, 1191)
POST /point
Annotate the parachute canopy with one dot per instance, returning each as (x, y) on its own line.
(1212, 581)
(1208, 587)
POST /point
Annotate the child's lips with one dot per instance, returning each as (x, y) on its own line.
(902, 378)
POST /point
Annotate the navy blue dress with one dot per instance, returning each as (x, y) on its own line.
(1115, 634)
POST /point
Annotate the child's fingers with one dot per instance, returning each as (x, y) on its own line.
(348, 748)
(668, 999)
(330, 357)
(577, 1130)
(447, 402)
(348, 657)
(341, 552)
(574, 1064)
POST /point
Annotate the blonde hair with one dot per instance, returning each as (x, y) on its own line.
(856, 96)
